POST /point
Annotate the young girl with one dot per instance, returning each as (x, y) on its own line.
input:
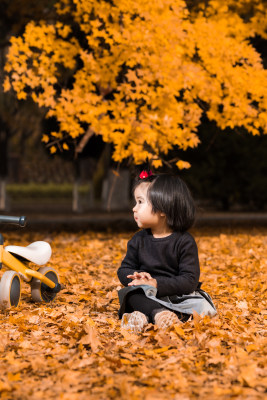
(160, 271)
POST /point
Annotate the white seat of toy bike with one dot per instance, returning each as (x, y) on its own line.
(37, 252)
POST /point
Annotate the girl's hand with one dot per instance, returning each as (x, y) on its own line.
(140, 275)
(141, 278)
(144, 281)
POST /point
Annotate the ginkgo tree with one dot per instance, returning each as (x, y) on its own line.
(141, 73)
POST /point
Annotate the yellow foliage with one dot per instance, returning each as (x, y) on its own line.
(53, 149)
(45, 138)
(7, 85)
(145, 73)
(183, 164)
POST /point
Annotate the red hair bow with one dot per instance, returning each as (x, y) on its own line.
(145, 174)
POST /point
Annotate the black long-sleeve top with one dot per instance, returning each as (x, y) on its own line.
(172, 261)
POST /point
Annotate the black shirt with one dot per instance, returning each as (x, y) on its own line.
(172, 261)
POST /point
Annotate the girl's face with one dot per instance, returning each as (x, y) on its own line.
(143, 214)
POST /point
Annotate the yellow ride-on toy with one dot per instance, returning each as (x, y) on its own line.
(44, 283)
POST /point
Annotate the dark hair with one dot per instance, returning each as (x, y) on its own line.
(169, 194)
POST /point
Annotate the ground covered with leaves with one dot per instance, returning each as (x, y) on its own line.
(74, 348)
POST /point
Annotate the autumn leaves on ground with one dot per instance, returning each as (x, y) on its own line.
(74, 347)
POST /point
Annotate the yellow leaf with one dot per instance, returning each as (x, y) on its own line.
(7, 85)
(45, 138)
(162, 349)
(183, 164)
(126, 362)
(156, 163)
(157, 351)
(90, 321)
(179, 330)
(21, 95)
(53, 149)
(13, 377)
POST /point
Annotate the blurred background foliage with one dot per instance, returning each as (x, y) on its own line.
(229, 168)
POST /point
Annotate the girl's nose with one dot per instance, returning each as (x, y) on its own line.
(134, 209)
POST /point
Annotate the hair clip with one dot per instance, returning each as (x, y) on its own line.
(145, 174)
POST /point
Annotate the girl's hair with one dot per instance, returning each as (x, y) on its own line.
(169, 194)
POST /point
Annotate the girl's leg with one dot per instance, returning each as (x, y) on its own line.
(156, 313)
(137, 301)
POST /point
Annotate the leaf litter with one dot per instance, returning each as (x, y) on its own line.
(74, 348)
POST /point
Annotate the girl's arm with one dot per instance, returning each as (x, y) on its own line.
(130, 262)
(187, 279)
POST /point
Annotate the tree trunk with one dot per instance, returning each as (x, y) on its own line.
(101, 172)
(3, 164)
(76, 203)
(2, 194)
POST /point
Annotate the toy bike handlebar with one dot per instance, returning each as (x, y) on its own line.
(5, 219)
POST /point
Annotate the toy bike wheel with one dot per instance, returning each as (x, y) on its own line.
(40, 291)
(9, 289)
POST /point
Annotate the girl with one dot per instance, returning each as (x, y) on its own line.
(160, 271)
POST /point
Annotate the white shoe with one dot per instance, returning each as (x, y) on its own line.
(166, 318)
(134, 322)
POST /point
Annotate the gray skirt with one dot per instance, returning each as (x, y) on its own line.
(198, 301)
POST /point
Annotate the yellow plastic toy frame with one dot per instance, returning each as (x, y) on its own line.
(24, 272)
(43, 288)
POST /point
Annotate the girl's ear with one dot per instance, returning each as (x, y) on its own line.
(162, 214)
